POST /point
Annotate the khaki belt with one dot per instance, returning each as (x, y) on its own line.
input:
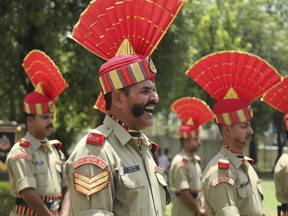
(53, 203)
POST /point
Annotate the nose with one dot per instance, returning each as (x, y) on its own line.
(154, 96)
(251, 131)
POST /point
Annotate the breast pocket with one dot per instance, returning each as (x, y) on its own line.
(41, 173)
(134, 187)
(244, 188)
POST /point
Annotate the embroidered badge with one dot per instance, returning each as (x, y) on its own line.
(90, 159)
(183, 167)
(90, 185)
(222, 180)
(95, 139)
(24, 156)
(131, 169)
(24, 143)
(223, 164)
(152, 66)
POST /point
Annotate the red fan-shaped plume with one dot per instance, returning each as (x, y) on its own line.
(100, 103)
(41, 69)
(106, 23)
(249, 75)
(188, 108)
(277, 96)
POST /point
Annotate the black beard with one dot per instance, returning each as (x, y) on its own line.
(50, 126)
(137, 110)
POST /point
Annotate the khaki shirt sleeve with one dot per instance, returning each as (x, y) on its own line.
(91, 188)
(20, 168)
(181, 176)
(220, 198)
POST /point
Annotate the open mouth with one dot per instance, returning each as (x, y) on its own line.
(149, 108)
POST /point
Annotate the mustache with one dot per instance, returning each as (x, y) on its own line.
(49, 126)
(139, 109)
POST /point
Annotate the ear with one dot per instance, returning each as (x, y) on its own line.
(117, 98)
(29, 120)
(227, 130)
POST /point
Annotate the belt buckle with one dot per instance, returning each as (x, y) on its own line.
(55, 205)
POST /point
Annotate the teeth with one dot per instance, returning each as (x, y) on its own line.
(149, 108)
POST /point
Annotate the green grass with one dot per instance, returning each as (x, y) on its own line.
(269, 202)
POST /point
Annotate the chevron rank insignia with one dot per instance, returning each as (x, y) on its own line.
(90, 159)
(95, 139)
(24, 143)
(90, 185)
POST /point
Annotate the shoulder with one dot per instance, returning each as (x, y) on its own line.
(20, 150)
(91, 143)
(198, 158)
(56, 143)
(219, 170)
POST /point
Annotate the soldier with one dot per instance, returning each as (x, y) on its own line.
(276, 97)
(35, 164)
(185, 171)
(112, 170)
(230, 184)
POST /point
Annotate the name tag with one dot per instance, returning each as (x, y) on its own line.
(244, 184)
(40, 162)
(131, 169)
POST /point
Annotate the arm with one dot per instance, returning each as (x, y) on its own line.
(33, 199)
(65, 203)
(185, 196)
(221, 199)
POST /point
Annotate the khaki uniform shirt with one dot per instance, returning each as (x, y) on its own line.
(185, 173)
(114, 177)
(281, 179)
(35, 166)
(234, 190)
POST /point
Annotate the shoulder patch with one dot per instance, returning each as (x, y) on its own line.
(184, 158)
(222, 180)
(90, 159)
(24, 143)
(183, 167)
(23, 155)
(95, 139)
(223, 164)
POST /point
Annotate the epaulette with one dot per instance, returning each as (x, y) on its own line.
(57, 143)
(250, 160)
(154, 147)
(198, 158)
(223, 164)
(24, 143)
(185, 159)
(95, 139)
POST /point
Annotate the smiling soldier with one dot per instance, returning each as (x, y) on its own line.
(119, 174)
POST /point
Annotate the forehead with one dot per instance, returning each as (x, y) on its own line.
(142, 85)
(45, 115)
